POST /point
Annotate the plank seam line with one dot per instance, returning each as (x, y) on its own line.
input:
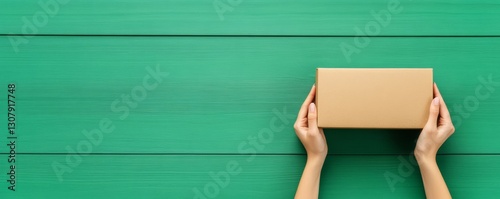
(215, 35)
(243, 154)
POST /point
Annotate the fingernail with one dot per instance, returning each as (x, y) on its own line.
(312, 108)
(435, 101)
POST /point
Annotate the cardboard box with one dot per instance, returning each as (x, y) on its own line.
(373, 97)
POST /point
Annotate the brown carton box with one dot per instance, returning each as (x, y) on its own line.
(373, 97)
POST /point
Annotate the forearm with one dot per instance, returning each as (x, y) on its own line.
(309, 182)
(434, 184)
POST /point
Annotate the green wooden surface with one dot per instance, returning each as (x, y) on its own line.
(276, 176)
(220, 91)
(228, 82)
(257, 17)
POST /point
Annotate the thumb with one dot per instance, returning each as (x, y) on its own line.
(311, 116)
(433, 113)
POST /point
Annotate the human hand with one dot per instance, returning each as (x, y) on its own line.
(438, 128)
(306, 128)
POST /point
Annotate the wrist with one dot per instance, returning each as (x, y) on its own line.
(315, 160)
(423, 159)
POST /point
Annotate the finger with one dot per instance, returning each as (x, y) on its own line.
(311, 117)
(303, 109)
(322, 133)
(433, 113)
(442, 105)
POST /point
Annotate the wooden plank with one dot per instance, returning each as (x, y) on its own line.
(277, 176)
(221, 93)
(258, 17)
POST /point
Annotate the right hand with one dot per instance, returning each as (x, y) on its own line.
(437, 130)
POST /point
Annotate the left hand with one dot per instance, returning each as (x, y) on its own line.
(306, 128)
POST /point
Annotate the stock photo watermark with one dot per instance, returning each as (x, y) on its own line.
(471, 103)
(381, 19)
(32, 25)
(482, 92)
(222, 6)
(121, 106)
(253, 144)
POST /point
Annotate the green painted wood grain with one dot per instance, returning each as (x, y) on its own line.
(221, 92)
(264, 176)
(256, 17)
